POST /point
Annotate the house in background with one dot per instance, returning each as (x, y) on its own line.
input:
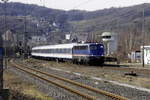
(38, 40)
(135, 56)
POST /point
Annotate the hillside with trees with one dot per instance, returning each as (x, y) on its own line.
(54, 24)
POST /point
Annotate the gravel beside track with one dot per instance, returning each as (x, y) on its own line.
(139, 71)
(49, 89)
(98, 95)
(106, 68)
(130, 93)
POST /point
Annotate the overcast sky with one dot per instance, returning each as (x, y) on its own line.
(83, 4)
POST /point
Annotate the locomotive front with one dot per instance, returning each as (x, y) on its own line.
(96, 53)
(90, 53)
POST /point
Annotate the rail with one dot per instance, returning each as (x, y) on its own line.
(113, 96)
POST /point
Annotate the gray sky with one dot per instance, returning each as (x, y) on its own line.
(83, 4)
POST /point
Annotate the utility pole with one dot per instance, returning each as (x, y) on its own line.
(25, 34)
(143, 33)
(25, 37)
(5, 14)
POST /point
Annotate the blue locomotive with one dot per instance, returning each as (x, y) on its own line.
(88, 53)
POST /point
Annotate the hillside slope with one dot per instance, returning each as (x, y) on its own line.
(54, 24)
(113, 19)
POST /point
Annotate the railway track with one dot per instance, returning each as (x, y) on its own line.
(32, 71)
(122, 69)
(140, 71)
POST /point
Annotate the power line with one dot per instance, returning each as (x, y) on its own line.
(43, 2)
(82, 3)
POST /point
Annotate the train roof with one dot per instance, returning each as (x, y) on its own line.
(67, 46)
(82, 44)
(57, 46)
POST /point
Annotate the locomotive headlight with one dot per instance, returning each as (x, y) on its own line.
(101, 46)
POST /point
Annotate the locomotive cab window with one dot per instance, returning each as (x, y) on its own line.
(93, 48)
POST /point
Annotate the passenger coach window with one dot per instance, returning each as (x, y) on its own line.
(49, 50)
(68, 50)
(34, 51)
(81, 47)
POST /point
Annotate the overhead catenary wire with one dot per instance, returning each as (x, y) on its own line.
(82, 3)
(43, 2)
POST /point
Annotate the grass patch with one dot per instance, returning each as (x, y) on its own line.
(22, 90)
(34, 93)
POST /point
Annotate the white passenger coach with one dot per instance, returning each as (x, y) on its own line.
(55, 51)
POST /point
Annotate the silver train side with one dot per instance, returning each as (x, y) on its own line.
(83, 53)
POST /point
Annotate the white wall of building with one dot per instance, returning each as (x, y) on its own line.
(146, 54)
(135, 56)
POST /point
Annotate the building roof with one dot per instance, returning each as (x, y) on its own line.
(55, 46)
(108, 33)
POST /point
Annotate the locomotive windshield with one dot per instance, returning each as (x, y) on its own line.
(94, 47)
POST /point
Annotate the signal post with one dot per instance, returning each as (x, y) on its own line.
(4, 93)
